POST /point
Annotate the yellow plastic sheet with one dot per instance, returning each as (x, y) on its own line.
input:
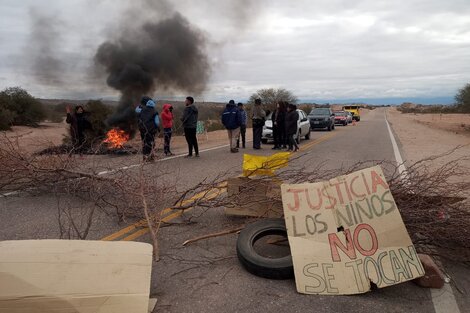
(256, 165)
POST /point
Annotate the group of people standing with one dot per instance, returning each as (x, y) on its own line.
(284, 120)
(148, 122)
(285, 123)
(234, 118)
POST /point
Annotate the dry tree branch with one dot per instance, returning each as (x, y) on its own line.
(217, 234)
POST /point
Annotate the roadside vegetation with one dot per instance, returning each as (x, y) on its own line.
(461, 105)
(18, 107)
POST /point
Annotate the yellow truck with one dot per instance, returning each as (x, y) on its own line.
(354, 110)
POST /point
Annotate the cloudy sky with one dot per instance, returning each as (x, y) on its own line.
(321, 50)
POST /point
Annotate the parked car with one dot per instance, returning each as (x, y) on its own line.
(350, 119)
(303, 128)
(321, 118)
(341, 118)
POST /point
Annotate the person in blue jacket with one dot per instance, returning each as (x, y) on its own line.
(232, 120)
(242, 126)
(148, 122)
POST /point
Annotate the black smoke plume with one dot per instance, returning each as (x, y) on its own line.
(44, 44)
(167, 55)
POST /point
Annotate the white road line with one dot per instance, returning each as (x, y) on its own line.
(442, 299)
(396, 151)
(160, 160)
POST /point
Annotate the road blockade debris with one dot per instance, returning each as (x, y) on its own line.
(256, 165)
(347, 233)
(253, 197)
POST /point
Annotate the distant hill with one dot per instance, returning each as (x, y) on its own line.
(381, 101)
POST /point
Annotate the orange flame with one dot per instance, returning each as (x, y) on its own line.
(115, 138)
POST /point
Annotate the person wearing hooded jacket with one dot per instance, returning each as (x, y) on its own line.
(148, 122)
(189, 120)
(79, 123)
(167, 121)
(232, 120)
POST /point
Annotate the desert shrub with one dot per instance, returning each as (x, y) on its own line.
(6, 118)
(462, 99)
(24, 108)
(214, 125)
(420, 108)
(55, 113)
(98, 113)
(270, 97)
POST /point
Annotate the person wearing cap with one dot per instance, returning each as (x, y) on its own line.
(232, 120)
(242, 126)
(167, 121)
(149, 123)
(259, 118)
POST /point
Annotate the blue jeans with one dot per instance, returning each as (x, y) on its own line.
(167, 138)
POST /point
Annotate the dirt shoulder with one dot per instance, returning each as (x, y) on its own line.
(51, 134)
(425, 135)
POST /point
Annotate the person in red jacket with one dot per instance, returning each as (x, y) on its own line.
(167, 121)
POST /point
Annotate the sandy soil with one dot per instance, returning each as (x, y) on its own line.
(51, 134)
(425, 135)
(35, 139)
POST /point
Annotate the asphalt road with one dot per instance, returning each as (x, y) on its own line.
(206, 276)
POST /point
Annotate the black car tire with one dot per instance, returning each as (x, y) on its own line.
(307, 137)
(280, 268)
(297, 138)
(330, 128)
(345, 123)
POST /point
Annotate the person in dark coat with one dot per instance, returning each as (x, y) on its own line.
(79, 123)
(259, 118)
(232, 120)
(149, 123)
(189, 120)
(281, 124)
(292, 119)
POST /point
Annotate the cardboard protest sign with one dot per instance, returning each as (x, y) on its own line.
(346, 233)
(82, 276)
